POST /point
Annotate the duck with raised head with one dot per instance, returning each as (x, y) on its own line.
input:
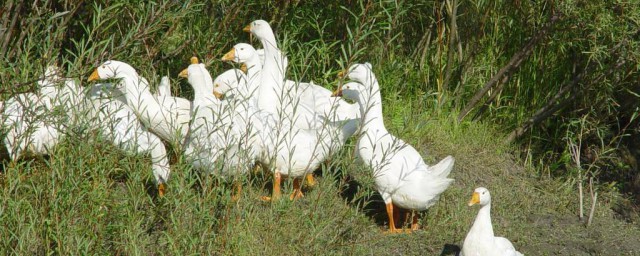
(289, 150)
(401, 176)
(480, 240)
(335, 123)
(219, 141)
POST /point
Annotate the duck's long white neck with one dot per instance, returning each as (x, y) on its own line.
(202, 93)
(272, 76)
(137, 93)
(370, 103)
(482, 225)
(254, 69)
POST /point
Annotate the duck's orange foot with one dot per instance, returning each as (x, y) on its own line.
(297, 194)
(265, 198)
(311, 181)
(161, 189)
(393, 231)
(270, 198)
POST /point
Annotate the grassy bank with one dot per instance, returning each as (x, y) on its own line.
(90, 199)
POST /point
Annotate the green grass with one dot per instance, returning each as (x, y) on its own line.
(90, 199)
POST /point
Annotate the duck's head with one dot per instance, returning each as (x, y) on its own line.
(227, 81)
(259, 28)
(361, 73)
(197, 74)
(111, 69)
(480, 196)
(240, 53)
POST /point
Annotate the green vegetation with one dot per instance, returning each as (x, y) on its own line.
(504, 86)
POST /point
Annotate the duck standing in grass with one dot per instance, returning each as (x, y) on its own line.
(220, 132)
(401, 176)
(480, 240)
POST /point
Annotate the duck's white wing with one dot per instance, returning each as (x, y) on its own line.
(505, 246)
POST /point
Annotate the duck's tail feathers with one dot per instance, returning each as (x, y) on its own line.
(443, 168)
(437, 186)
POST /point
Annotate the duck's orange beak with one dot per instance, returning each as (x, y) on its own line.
(475, 199)
(184, 73)
(230, 56)
(218, 95)
(248, 30)
(94, 76)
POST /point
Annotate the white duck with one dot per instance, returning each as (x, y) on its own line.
(311, 96)
(28, 127)
(288, 105)
(480, 240)
(401, 176)
(328, 138)
(120, 125)
(167, 116)
(218, 132)
(287, 149)
(111, 117)
(245, 54)
(232, 85)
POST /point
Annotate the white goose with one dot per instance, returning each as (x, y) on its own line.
(287, 150)
(480, 240)
(27, 126)
(288, 104)
(120, 125)
(331, 136)
(308, 95)
(167, 116)
(218, 132)
(245, 54)
(113, 119)
(232, 85)
(109, 116)
(401, 176)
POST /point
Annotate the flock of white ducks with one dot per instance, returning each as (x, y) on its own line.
(286, 126)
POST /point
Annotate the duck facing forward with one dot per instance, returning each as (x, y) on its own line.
(401, 176)
(480, 240)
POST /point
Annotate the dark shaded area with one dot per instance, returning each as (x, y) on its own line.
(451, 249)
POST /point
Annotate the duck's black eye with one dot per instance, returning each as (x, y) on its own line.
(242, 49)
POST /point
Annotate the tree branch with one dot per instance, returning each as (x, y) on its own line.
(551, 107)
(513, 64)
